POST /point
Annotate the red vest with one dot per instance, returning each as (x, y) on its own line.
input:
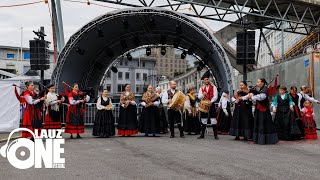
(210, 92)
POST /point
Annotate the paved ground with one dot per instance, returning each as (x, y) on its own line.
(189, 158)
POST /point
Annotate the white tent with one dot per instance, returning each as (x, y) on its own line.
(29, 76)
(9, 108)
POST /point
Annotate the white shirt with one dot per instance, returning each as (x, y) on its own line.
(306, 97)
(215, 93)
(165, 97)
(99, 106)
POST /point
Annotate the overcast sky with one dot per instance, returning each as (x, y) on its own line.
(75, 15)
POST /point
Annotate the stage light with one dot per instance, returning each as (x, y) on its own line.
(179, 29)
(202, 64)
(123, 44)
(125, 23)
(199, 68)
(148, 51)
(129, 57)
(100, 32)
(163, 39)
(109, 52)
(191, 50)
(80, 51)
(114, 69)
(176, 43)
(163, 50)
(183, 54)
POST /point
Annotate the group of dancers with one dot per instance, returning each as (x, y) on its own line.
(250, 119)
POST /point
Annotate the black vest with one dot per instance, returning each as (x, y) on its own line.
(192, 102)
(302, 100)
(170, 94)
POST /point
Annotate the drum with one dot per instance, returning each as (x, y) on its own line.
(177, 101)
(204, 106)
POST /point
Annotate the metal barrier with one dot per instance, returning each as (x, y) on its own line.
(90, 113)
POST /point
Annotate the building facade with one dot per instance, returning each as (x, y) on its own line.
(169, 64)
(190, 78)
(139, 73)
(274, 39)
(11, 61)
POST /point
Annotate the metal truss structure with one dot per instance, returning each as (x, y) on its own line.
(91, 67)
(303, 17)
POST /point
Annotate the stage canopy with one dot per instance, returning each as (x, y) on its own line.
(95, 47)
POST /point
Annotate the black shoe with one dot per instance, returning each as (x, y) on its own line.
(78, 136)
(172, 136)
(181, 135)
(200, 137)
(245, 139)
(154, 135)
(237, 138)
(216, 137)
(189, 133)
(71, 137)
(146, 135)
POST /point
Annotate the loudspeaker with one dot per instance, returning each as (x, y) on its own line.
(39, 54)
(246, 47)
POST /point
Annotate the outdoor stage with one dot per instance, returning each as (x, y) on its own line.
(189, 158)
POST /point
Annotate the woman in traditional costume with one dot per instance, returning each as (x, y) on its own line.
(224, 115)
(297, 115)
(32, 118)
(242, 120)
(104, 121)
(150, 120)
(128, 124)
(53, 117)
(308, 118)
(264, 131)
(191, 121)
(283, 108)
(76, 112)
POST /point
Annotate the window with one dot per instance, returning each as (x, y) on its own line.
(126, 63)
(121, 88)
(109, 87)
(10, 66)
(144, 76)
(121, 63)
(26, 55)
(127, 75)
(10, 56)
(137, 89)
(143, 64)
(119, 75)
(138, 63)
(137, 76)
(109, 74)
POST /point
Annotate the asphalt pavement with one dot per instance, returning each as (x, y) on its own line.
(148, 158)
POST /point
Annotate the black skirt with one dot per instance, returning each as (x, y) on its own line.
(191, 124)
(163, 120)
(224, 121)
(264, 131)
(104, 124)
(128, 118)
(283, 120)
(242, 121)
(150, 120)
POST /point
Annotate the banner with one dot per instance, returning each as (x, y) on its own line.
(9, 107)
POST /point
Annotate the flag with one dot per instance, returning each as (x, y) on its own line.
(65, 89)
(272, 89)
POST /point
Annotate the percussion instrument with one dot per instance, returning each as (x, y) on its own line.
(177, 101)
(204, 106)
